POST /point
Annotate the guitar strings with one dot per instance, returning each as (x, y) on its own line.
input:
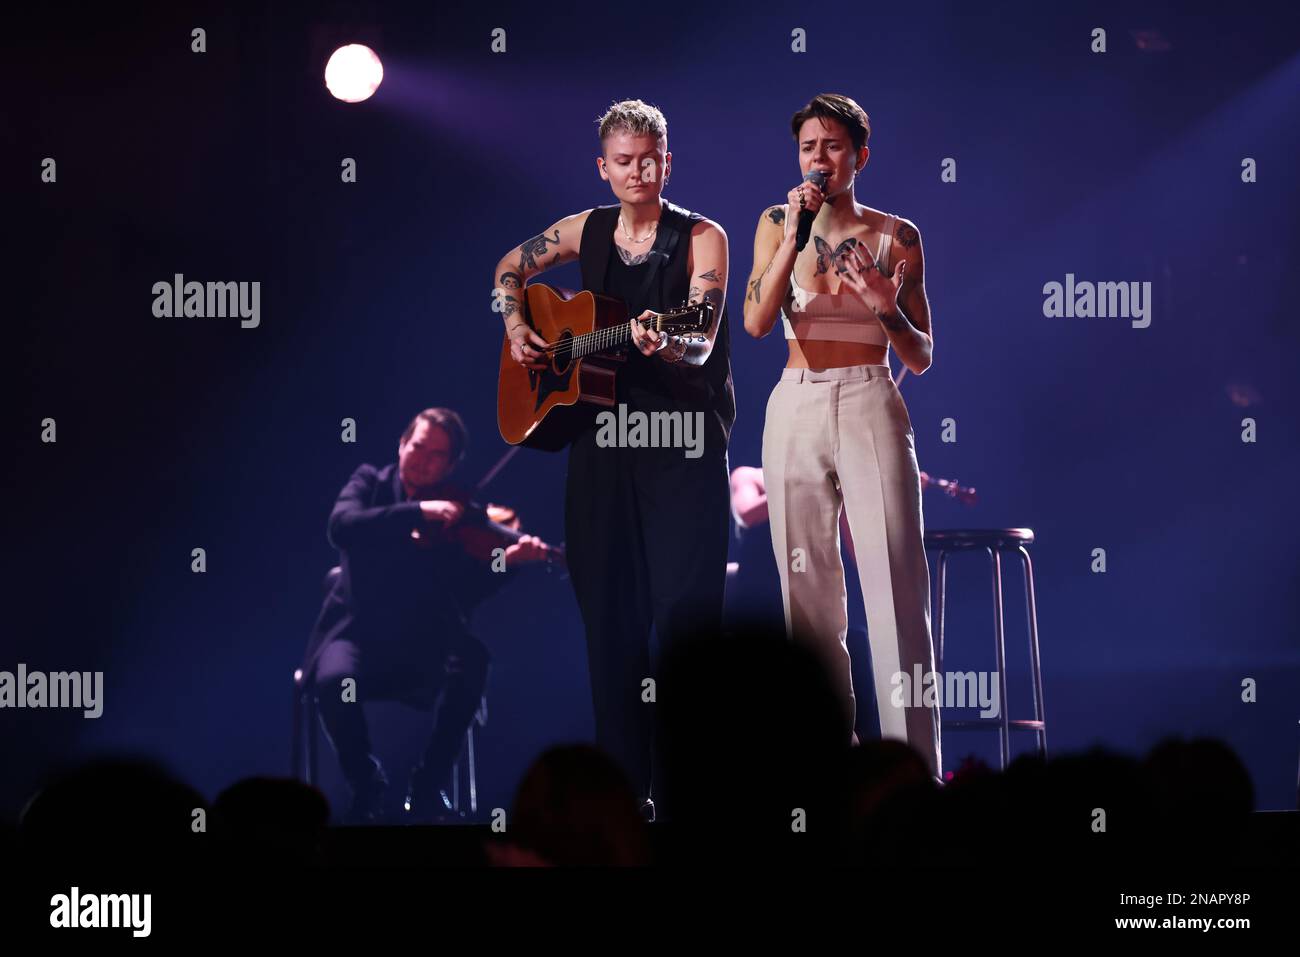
(598, 340)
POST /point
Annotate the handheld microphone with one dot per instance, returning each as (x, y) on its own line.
(818, 179)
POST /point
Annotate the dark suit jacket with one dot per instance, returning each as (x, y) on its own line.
(391, 589)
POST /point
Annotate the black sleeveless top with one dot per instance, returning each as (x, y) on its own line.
(648, 383)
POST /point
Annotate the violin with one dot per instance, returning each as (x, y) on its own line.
(499, 527)
(481, 530)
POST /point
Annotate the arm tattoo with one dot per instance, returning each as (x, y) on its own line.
(711, 276)
(776, 214)
(755, 287)
(533, 248)
(713, 296)
(511, 306)
(894, 320)
(826, 257)
(511, 280)
(694, 294)
(907, 236)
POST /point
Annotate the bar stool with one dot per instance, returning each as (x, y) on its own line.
(994, 541)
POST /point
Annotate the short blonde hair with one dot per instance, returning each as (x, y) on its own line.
(633, 116)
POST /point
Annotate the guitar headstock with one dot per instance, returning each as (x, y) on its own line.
(695, 318)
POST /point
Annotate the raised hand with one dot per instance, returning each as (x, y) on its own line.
(863, 277)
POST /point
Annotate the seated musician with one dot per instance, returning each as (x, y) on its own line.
(396, 622)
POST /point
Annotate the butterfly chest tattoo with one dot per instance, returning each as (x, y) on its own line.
(828, 257)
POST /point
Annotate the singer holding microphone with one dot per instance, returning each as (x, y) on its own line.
(847, 282)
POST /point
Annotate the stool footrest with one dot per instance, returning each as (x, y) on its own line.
(992, 723)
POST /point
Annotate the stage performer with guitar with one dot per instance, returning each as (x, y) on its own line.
(646, 525)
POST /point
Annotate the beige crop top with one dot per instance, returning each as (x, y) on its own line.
(841, 317)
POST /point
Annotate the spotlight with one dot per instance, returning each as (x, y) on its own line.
(353, 73)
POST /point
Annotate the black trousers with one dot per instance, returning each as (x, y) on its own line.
(446, 675)
(646, 545)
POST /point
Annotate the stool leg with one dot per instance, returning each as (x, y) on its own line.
(940, 594)
(1040, 713)
(313, 756)
(1004, 728)
(473, 782)
(455, 786)
(295, 738)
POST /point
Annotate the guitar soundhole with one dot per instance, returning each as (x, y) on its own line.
(562, 357)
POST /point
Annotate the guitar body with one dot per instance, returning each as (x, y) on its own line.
(544, 408)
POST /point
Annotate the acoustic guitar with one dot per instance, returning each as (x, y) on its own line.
(546, 408)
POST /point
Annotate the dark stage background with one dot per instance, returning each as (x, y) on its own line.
(183, 433)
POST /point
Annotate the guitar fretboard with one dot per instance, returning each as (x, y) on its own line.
(601, 340)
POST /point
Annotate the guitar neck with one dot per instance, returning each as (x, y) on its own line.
(601, 340)
(615, 337)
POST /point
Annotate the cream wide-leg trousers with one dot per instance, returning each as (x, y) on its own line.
(842, 438)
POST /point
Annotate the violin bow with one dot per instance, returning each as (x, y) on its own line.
(501, 463)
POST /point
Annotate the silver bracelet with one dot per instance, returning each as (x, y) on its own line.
(678, 340)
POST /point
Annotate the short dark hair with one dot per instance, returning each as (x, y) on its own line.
(450, 422)
(833, 106)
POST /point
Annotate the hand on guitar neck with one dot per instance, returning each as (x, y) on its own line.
(650, 341)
